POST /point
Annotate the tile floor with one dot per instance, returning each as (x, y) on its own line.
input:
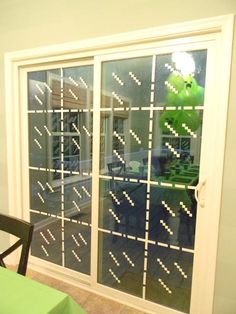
(91, 302)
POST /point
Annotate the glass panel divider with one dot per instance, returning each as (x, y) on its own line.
(95, 169)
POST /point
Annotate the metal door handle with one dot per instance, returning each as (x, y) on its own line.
(198, 191)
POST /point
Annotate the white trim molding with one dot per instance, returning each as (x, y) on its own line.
(62, 52)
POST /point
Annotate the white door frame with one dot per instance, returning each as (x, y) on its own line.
(220, 31)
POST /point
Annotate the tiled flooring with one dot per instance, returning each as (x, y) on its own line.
(91, 302)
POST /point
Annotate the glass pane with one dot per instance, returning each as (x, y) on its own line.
(151, 124)
(180, 79)
(120, 263)
(77, 202)
(125, 82)
(78, 87)
(78, 246)
(60, 160)
(169, 275)
(122, 207)
(44, 197)
(47, 238)
(172, 216)
(44, 90)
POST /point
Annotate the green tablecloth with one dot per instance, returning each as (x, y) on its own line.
(21, 295)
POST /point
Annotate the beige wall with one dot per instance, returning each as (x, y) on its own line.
(27, 24)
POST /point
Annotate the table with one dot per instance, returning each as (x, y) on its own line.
(22, 295)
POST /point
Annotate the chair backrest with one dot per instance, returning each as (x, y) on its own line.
(22, 230)
(158, 163)
(116, 167)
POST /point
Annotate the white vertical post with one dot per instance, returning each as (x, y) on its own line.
(95, 170)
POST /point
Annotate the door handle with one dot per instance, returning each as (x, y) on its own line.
(197, 192)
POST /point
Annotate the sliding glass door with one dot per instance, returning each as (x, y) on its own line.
(149, 168)
(149, 127)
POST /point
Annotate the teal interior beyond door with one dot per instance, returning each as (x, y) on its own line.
(150, 142)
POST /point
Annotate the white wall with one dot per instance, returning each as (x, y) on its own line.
(28, 24)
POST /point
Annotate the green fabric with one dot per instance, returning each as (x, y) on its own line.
(21, 295)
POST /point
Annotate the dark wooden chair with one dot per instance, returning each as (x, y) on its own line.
(116, 168)
(158, 164)
(22, 230)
